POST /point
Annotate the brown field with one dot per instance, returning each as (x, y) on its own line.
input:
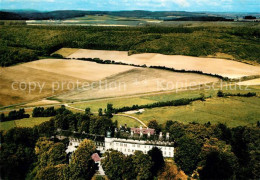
(251, 82)
(78, 69)
(53, 76)
(139, 81)
(223, 67)
(42, 102)
(66, 51)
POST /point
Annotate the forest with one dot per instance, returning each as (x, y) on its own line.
(203, 151)
(21, 43)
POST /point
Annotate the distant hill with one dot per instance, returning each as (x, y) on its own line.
(36, 15)
(31, 15)
(202, 18)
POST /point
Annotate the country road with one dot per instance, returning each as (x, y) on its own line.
(113, 114)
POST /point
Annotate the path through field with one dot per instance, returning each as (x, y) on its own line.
(132, 117)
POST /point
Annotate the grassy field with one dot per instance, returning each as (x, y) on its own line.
(125, 120)
(95, 105)
(26, 122)
(233, 111)
(160, 97)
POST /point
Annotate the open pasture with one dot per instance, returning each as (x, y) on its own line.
(26, 122)
(232, 111)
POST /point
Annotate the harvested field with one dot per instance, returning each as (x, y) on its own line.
(43, 78)
(223, 67)
(78, 69)
(139, 81)
(42, 103)
(66, 51)
(251, 82)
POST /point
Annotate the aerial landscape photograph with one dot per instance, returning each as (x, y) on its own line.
(130, 89)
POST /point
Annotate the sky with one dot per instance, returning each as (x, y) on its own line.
(151, 5)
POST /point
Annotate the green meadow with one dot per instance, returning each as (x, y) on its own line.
(26, 122)
(232, 111)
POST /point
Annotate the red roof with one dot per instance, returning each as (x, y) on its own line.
(95, 157)
(143, 130)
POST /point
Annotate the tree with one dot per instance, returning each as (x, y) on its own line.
(168, 125)
(87, 111)
(82, 166)
(177, 130)
(157, 159)
(217, 160)
(100, 113)
(154, 125)
(143, 164)
(109, 110)
(223, 132)
(219, 165)
(17, 152)
(2, 117)
(52, 173)
(129, 169)
(220, 94)
(186, 155)
(113, 164)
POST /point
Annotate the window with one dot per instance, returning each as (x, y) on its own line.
(133, 145)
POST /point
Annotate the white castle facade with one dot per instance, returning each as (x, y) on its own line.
(128, 146)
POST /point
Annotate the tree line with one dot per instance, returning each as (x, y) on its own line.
(178, 102)
(240, 42)
(190, 71)
(223, 94)
(14, 115)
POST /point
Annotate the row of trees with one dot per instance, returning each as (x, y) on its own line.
(14, 115)
(178, 102)
(190, 71)
(249, 94)
(41, 112)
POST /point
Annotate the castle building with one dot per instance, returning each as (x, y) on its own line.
(129, 146)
